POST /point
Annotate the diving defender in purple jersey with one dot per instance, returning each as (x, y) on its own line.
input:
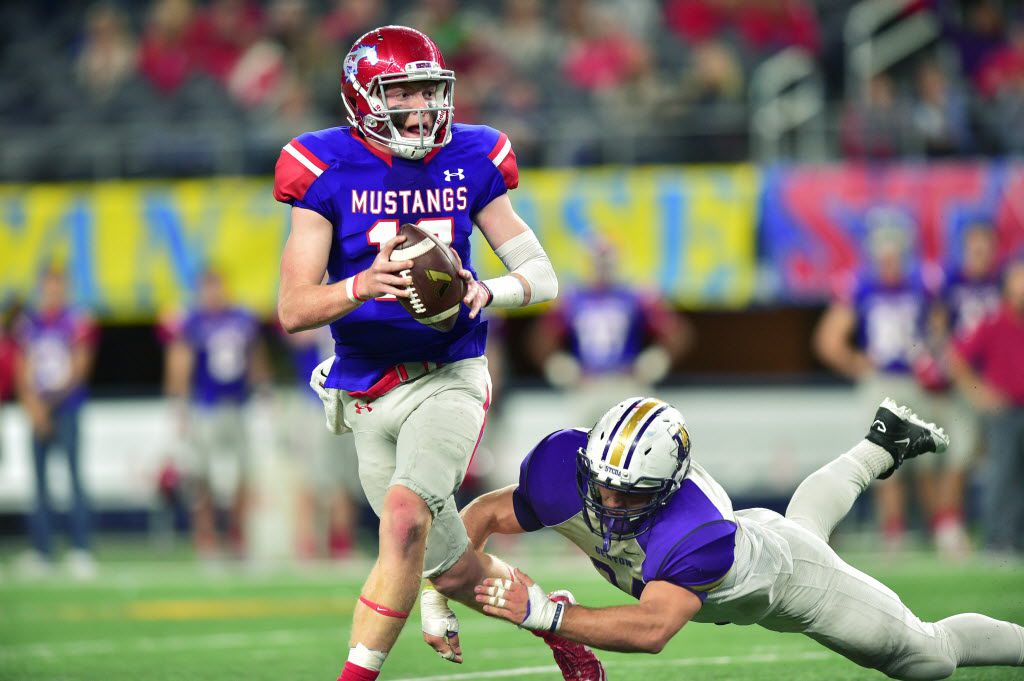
(656, 525)
(415, 398)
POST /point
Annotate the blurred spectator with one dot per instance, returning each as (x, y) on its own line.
(883, 313)
(606, 341)
(221, 33)
(876, 126)
(767, 26)
(108, 56)
(328, 511)
(1004, 66)
(940, 115)
(166, 55)
(349, 19)
(764, 26)
(214, 359)
(969, 294)
(979, 37)
(444, 23)
(57, 350)
(523, 38)
(988, 366)
(599, 55)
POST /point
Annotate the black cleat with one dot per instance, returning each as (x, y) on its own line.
(903, 434)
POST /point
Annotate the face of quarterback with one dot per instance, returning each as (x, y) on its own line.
(416, 95)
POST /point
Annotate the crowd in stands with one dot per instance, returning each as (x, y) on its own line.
(192, 87)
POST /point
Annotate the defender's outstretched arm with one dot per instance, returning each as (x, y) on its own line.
(646, 627)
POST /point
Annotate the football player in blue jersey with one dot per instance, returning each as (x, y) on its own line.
(656, 525)
(415, 398)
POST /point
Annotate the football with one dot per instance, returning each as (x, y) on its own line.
(437, 289)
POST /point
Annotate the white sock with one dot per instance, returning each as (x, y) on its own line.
(367, 659)
(981, 641)
(825, 497)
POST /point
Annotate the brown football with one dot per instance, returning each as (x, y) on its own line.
(437, 289)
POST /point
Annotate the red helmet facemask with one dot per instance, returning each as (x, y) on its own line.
(392, 55)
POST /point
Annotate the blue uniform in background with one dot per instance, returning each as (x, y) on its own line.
(367, 195)
(890, 320)
(969, 301)
(222, 342)
(606, 327)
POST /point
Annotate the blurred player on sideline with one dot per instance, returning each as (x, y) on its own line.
(606, 340)
(988, 367)
(214, 359)
(328, 508)
(970, 293)
(58, 346)
(415, 398)
(657, 526)
(884, 314)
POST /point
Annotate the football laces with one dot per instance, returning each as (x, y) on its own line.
(414, 296)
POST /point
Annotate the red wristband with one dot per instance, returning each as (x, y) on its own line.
(355, 290)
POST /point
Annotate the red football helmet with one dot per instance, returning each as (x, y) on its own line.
(383, 57)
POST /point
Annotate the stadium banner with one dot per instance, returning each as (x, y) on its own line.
(688, 232)
(815, 219)
(133, 248)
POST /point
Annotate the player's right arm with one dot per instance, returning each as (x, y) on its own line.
(491, 513)
(303, 301)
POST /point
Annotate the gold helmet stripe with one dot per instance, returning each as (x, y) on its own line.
(625, 434)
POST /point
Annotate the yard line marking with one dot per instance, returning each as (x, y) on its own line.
(687, 662)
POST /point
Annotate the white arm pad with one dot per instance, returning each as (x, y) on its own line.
(523, 255)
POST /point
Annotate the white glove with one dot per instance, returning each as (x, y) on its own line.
(562, 370)
(437, 619)
(652, 365)
(331, 397)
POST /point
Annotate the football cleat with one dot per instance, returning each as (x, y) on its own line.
(903, 434)
(576, 661)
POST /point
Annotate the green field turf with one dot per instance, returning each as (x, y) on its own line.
(171, 621)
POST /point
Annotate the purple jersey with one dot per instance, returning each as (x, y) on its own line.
(969, 301)
(605, 327)
(222, 344)
(890, 320)
(367, 195)
(690, 544)
(48, 342)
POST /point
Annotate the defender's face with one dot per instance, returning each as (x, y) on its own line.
(419, 95)
(53, 292)
(611, 498)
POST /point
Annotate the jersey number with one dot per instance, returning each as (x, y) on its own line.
(384, 231)
(637, 586)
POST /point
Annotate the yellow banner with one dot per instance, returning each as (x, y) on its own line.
(132, 249)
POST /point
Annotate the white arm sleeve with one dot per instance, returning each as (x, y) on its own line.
(523, 255)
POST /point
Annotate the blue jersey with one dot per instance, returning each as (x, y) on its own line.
(690, 544)
(969, 301)
(367, 195)
(605, 327)
(48, 342)
(222, 343)
(890, 320)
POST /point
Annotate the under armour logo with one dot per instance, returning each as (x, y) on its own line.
(448, 175)
(360, 407)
